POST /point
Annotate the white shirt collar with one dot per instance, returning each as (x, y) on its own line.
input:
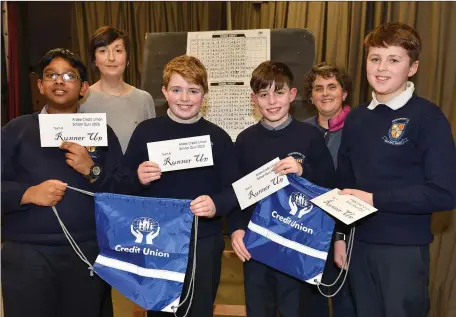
(45, 110)
(396, 102)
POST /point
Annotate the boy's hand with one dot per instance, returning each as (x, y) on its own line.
(237, 242)
(203, 206)
(148, 172)
(77, 157)
(340, 253)
(364, 196)
(48, 193)
(288, 165)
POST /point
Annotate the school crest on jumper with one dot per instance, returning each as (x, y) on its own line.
(396, 132)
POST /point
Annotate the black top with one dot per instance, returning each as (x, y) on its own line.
(256, 145)
(25, 163)
(214, 181)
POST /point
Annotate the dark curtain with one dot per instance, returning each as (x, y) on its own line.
(19, 95)
(138, 18)
(13, 62)
(4, 90)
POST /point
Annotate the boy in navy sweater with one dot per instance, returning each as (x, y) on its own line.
(185, 86)
(42, 276)
(397, 153)
(302, 150)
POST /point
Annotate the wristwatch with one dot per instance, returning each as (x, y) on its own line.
(95, 171)
(340, 236)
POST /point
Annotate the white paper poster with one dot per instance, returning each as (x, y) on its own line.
(230, 58)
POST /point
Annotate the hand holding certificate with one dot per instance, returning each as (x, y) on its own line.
(86, 129)
(259, 184)
(346, 208)
(178, 154)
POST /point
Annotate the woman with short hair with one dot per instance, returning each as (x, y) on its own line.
(125, 106)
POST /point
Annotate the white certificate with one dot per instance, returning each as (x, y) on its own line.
(259, 184)
(346, 208)
(178, 154)
(86, 129)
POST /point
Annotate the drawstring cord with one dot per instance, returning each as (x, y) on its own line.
(70, 239)
(346, 262)
(191, 288)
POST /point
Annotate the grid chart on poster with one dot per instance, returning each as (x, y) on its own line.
(230, 58)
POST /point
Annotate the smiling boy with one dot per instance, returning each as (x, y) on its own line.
(42, 276)
(185, 86)
(302, 151)
(397, 153)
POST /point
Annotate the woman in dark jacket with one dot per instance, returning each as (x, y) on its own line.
(326, 86)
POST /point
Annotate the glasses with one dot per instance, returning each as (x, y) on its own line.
(67, 77)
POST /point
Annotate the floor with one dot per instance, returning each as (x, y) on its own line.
(230, 296)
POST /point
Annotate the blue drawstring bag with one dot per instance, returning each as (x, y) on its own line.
(144, 246)
(289, 233)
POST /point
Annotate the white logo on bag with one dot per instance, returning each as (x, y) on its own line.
(298, 199)
(145, 226)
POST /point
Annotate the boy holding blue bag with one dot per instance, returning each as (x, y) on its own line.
(303, 152)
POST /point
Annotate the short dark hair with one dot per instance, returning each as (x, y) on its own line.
(270, 72)
(326, 71)
(105, 36)
(395, 34)
(74, 60)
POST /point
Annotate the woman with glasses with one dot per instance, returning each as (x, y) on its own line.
(125, 106)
